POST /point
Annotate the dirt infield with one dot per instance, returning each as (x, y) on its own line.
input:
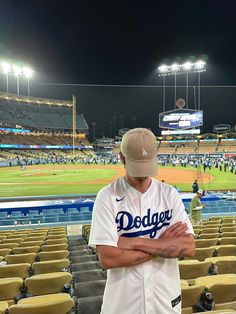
(172, 176)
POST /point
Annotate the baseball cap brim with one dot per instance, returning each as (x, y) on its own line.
(141, 169)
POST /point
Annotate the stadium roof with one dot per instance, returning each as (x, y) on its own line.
(35, 100)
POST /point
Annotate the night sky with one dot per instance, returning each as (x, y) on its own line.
(123, 42)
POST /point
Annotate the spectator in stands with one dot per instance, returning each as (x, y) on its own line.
(195, 186)
(196, 207)
(143, 272)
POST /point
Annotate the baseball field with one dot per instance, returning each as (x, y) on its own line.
(88, 179)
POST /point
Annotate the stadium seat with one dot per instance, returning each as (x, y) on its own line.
(31, 243)
(15, 270)
(3, 237)
(25, 249)
(228, 229)
(226, 266)
(193, 269)
(15, 240)
(89, 288)
(50, 266)
(220, 258)
(4, 252)
(55, 247)
(56, 241)
(17, 236)
(229, 250)
(191, 295)
(209, 236)
(203, 243)
(49, 304)
(229, 294)
(228, 240)
(208, 281)
(228, 234)
(202, 253)
(8, 245)
(21, 258)
(47, 256)
(10, 288)
(210, 230)
(3, 307)
(36, 238)
(47, 283)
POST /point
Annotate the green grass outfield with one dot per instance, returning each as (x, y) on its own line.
(38, 180)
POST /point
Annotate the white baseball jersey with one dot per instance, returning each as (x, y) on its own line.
(151, 287)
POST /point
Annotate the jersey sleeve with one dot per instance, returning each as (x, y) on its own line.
(103, 228)
(179, 213)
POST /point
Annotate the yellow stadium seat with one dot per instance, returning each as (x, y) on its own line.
(208, 281)
(228, 240)
(25, 249)
(3, 307)
(47, 256)
(194, 269)
(38, 238)
(55, 247)
(56, 241)
(229, 250)
(226, 267)
(220, 258)
(202, 253)
(47, 283)
(17, 236)
(21, 258)
(55, 237)
(15, 270)
(50, 266)
(184, 283)
(191, 295)
(210, 230)
(212, 235)
(15, 240)
(228, 289)
(4, 252)
(60, 303)
(2, 237)
(203, 243)
(228, 234)
(31, 243)
(10, 288)
(8, 245)
(228, 229)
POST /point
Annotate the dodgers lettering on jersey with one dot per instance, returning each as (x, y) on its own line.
(126, 222)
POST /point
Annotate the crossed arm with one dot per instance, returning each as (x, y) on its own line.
(173, 243)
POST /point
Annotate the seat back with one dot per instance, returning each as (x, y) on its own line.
(54, 304)
(21, 258)
(10, 288)
(47, 283)
(15, 270)
(50, 266)
(191, 295)
(47, 256)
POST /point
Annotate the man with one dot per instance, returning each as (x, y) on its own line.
(196, 207)
(195, 186)
(140, 228)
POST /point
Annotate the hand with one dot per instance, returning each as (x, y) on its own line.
(203, 205)
(176, 230)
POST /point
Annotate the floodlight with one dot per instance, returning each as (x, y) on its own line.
(187, 66)
(163, 69)
(199, 65)
(17, 70)
(175, 67)
(28, 73)
(6, 67)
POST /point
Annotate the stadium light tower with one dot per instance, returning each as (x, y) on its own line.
(17, 71)
(185, 68)
(28, 74)
(6, 68)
